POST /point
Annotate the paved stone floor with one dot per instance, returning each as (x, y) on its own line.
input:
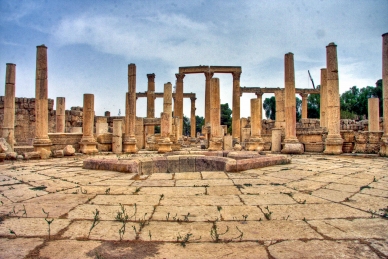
(316, 207)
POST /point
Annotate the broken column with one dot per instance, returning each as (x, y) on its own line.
(255, 142)
(333, 141)
(41, 142)
(151, 102)
(215, 142)
(323, 100)
(8, 131)
(88, 144)
(192, 117)
(129, 145)
(178, 111)
(166, 120)
(236, 107)
(117, 136)
(373, 114)
(384, 139)
(208, 76)
(60, 115)
(304, 104)
(291, 143)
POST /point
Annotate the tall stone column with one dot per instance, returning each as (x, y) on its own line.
(8, 129)
(304, 105)
(323, 102)
(208, 77)
(215, 142)
(179, 101)
(192, 117)
(236, 107)
(129, 143)
(166, 120)
(279, 115)
(88, 144)
(333, 141)
(41, 140)
(117, 136)
(291, 143)
(151, 102)
(373, 114)
(60, 115)
(384, 139)
(255, 142)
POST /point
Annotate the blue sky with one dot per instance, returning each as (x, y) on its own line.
(91, 43)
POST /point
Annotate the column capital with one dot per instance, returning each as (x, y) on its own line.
(236, 75)
(209, 75)
(304, 95)
(259, 94)
(180, 77)
(193, 99)
(151, 77)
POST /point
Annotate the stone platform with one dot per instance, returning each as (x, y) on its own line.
(316, 207)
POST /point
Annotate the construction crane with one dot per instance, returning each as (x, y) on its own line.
(312, 81)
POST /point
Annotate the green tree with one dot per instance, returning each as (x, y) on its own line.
(199, 122)
(186, 126)
(269, 106)
(314, 105)
(226, 116)
(298, 103)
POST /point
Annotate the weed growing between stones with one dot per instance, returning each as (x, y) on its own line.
(185, 239)
(123, 217)
(48, 222)
(137, 190)
(245, 217)
(186, 217)
(365, 187)
(12, 232)
(215, 235)
(107, 191)
(268, 214)
(96, 220)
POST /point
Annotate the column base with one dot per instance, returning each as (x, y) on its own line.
(292, 146)
(384, 146)
(333, 145)
(254, 144)
(88, 145)
(129, 146)
(215, 144)
(9, 135)
(43, 146)
(165, 146)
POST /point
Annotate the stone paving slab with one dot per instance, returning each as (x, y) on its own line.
(20, 192)
(114, 182)
(332, 195)
(367, 202)
(306, 185)
(59, 249)
(109, 212)
(169, 231)
(264, 189)
(35, 210)
(16, 248)
(214, 175)
(31, 227)
(205, 200)
(173, 191)
(343, 187)
(355, 228)
(154, 183)
(126, 199)
(266, 199)
(208, 182)
(7, 180)
(321, 249)
(54, 185)
(242, 213)
(187, 176)
(186, 213)
(223, 190)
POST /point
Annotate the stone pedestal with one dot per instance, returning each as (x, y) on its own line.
(88, 144)
(117, 137)
(8, 131)
(373, 114)
(236, 107)
(333, 143)
(60, 115)
(41, 140)
(291, 143)
(323, 103)
(384, 139)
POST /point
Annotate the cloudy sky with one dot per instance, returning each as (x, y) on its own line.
(91, 42)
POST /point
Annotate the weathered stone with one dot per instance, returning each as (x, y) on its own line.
(58, 153)
(69, 150)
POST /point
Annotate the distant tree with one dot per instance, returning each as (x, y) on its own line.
(226, 116)
(199, 122)
(157, 129)
(313, 105)
(298, 103)
(186, 126)
(269, 106)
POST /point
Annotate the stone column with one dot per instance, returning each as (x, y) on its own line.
(323, 102)
(279, 115)
(304, 105)
(291, 143)
(41, 140)
(236, 107)
(151, 102)
(8, 129)
(192, 117)
(215, 141)
(255, 141)
(373, 114)
(129, 145)
(60, 115)
(166, 120)
(208, 76)
(88, 144)
(333, 141)
(179, 101)
(117, 136)
(384, 139)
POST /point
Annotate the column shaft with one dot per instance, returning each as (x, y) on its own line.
(8, 129)
(129, 145)
(279, 115)
(304, 105)
(323, 98)
(192, 117)
(384, 139)
(167, 109)
(215, 141)
(151, 102)
(179, 101)
(208, 77)
(373, 114)
(236, 106)
(60, 115)
(117, 136)
(88, 143)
